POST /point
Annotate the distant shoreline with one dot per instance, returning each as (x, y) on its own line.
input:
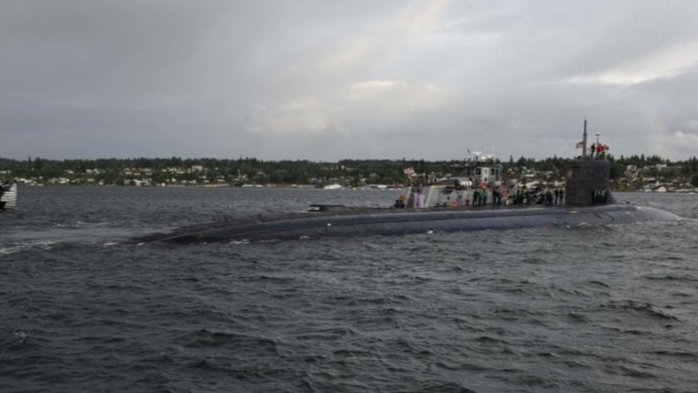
(299, 187)
(646, 173)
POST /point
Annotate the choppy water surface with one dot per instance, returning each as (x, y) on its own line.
(611, 309)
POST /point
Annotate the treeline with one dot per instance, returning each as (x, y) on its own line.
(112, 170)
(116, 170)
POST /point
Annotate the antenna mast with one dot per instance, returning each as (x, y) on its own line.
(584, 148)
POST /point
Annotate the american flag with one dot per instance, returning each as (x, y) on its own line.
(409, 172)
(579, 145)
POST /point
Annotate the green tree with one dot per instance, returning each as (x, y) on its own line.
(617, 170)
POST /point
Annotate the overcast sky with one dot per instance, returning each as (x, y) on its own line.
(326, 80)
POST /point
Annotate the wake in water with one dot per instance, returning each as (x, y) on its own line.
(13, 248)
(102, 234)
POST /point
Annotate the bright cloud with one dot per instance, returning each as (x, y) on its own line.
(667, 63)
(300, 117)
(399, 95)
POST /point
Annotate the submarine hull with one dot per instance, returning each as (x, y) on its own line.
(365, 222)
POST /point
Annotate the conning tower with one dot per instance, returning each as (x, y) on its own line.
(587, 175)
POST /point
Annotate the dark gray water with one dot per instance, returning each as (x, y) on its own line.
(611, 309)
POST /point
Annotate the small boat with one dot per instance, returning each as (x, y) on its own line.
(334, 186)
(8, 200)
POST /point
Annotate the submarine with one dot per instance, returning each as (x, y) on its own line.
(451, 205)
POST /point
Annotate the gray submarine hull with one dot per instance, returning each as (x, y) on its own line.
(389, 222)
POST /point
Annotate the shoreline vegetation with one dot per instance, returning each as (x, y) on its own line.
(634, 173)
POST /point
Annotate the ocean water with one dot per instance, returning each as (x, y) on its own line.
(610, 309)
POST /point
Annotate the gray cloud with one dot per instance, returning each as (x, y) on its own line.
(323, 80)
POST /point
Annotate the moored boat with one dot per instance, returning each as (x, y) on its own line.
(8, 198)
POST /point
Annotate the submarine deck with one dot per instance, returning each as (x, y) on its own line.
(345, 221)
